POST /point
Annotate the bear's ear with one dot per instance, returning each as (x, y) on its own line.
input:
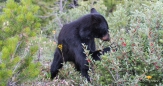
(94, 19)
(93, 10)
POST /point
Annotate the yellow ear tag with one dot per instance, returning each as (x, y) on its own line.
(148, 77)
(60, 46)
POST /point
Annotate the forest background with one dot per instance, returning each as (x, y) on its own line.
(28, 38)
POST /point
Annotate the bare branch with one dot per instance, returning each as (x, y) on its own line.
(60, 6)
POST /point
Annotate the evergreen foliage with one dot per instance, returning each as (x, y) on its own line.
(18, 24)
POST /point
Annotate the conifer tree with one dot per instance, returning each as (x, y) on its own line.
(19, 25)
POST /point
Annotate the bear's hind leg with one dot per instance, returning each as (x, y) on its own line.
(84, 72)
(57, 64)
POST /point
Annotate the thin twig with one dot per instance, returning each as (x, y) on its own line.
(59, 20)
(112, 75)
(60, 6)
(16, 50)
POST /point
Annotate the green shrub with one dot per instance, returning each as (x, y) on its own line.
(136, 30)
(18, 25)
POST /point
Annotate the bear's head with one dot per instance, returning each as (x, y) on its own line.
(94, 25)
(99, 26)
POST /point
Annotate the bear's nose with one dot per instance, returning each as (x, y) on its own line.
(106, 37)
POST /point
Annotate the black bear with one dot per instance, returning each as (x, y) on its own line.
(71, 37)
(96, 54)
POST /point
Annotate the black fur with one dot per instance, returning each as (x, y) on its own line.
(71, 37)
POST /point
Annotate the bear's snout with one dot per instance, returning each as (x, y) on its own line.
(106, 37)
